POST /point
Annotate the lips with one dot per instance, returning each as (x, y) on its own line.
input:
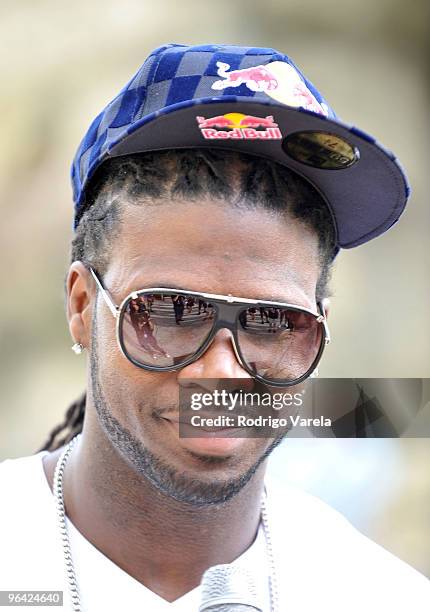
(203, 441)
(184, 419)
(181, 420)
(174, 418)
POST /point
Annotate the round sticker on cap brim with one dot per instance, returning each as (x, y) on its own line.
(320, 150)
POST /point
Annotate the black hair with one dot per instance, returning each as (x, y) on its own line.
(148, 179)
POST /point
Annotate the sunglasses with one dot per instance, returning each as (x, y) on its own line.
(163, 329)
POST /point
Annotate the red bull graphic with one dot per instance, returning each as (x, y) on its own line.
(237, 126)
(279, 80)
(257, 78)
(250, 121)
(215, 122)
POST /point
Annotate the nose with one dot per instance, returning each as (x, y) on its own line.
(218, 361)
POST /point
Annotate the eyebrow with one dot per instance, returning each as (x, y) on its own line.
(160, 284)
(168, 285)
(115, 308)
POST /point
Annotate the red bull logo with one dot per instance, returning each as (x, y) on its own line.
(278, 80)
(237, 126)
(256, 78)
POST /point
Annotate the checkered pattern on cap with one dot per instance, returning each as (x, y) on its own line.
(172, 77)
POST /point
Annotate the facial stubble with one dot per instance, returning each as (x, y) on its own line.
(163, 476)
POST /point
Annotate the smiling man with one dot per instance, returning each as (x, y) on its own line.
(212, 196)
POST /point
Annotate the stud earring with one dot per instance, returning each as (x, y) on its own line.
(77, 348)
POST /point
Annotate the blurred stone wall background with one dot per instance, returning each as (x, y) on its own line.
(62, 62)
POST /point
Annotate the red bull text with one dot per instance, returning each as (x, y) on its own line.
(237, 126)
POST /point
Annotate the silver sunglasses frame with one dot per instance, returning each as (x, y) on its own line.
(228, 299)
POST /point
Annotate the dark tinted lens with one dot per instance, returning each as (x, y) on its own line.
(279, 344)
(164, 330)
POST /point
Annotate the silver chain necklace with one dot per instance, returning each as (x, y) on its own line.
(70, 570)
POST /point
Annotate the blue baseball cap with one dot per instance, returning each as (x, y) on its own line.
(253, 100)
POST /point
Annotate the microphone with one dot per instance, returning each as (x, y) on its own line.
(229, 588)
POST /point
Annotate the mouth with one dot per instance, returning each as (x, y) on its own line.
(184, 421)
(208, 441)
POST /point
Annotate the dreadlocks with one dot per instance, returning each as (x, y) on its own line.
(148, 179)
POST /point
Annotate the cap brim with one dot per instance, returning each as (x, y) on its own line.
(365, 198)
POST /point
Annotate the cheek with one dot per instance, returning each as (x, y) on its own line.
(131, 393)
(109, 355)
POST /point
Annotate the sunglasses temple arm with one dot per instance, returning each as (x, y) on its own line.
(110, 304)
(327, 331)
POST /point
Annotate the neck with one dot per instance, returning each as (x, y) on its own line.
(146, 533)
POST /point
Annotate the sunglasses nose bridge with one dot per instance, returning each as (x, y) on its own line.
(226, 317)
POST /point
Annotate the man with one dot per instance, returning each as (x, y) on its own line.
(220, 174)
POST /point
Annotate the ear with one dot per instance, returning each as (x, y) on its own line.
(326, 306)
(80, 294)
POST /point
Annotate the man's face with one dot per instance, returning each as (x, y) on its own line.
(206, 247)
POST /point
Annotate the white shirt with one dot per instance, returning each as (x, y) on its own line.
(31, 552)
(323, 563)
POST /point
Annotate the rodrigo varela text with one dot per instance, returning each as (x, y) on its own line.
(258, 421)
